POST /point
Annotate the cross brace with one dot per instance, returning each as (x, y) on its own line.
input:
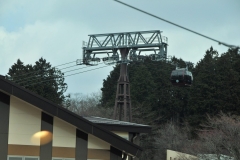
(110, 43)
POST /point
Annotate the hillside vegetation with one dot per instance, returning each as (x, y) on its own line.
(215, 90)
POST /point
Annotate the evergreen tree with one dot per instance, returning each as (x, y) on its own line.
(154, 99)
(205, 87)
(109, 88)
(41, 78)
(216, 86)
(229, 92)
(142, 92)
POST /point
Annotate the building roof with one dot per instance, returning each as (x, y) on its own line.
(81, 123)
(116, 125)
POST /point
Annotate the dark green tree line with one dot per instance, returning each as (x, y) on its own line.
(41, 78)
(154, 100)
(216, 86)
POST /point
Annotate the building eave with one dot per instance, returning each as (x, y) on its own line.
(81, 123)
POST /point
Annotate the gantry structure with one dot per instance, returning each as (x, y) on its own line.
(132, 46)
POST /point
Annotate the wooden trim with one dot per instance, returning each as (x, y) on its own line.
(98, 154)
(25, 150)
(64, 152)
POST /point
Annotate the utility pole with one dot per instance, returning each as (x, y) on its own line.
(131, 46)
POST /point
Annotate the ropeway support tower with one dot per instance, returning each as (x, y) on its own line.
(131, 46)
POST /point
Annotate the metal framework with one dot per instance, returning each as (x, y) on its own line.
(137, 43)
(131, 46)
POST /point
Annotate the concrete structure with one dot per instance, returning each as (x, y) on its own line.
(34, 128)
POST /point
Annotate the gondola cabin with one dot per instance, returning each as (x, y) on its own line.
(181, 77)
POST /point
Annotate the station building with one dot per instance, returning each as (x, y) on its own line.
(34, 128)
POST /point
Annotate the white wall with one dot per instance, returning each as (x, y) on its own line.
(96, 143)
(24, 122)
(64, 134)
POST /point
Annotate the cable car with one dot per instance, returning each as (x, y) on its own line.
(181, 77)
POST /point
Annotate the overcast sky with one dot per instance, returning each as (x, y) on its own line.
(55, 29)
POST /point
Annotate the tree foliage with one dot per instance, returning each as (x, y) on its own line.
(110, 87)
(41, 78)
(154, 99)
(216, 88)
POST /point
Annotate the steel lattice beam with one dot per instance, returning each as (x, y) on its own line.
(130, 40)
(110, 43)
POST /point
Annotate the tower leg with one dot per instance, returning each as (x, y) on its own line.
(123, 100)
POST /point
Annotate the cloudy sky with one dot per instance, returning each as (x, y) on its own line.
(54, 30)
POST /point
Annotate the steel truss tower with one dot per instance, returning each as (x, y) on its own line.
(130, 45)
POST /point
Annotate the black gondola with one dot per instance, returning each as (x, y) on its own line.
(181, 77)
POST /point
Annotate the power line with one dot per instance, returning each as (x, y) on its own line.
(41, 70)
(39, 78)
(85, 71)
(65, 76)
(68, 67)
(34, 76)
(219, 42)
(65, 64)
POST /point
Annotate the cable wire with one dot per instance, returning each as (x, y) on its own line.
(68, 67)
(65, 76)
(65, 64)
(219, 42)
(41, 70)
(34, 78)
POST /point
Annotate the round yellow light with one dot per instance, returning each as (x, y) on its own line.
(41, 137)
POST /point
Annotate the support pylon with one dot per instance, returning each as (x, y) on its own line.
(123, 100)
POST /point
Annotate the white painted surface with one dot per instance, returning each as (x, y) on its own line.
(96, 143)
(122, 134)
(24, 122)
(64, 134)
(174, 155)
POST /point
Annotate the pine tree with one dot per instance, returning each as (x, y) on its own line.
(142, 92)
(109, 88)
(40, 78)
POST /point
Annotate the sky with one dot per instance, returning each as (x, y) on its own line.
(56, 29)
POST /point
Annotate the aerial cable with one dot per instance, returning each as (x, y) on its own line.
(219, 42)
(30, 76)
(64, 64)
(85, 71)
(65, 76)
(39, 78)
(34, 78)
(41, 70)
(67, 67)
